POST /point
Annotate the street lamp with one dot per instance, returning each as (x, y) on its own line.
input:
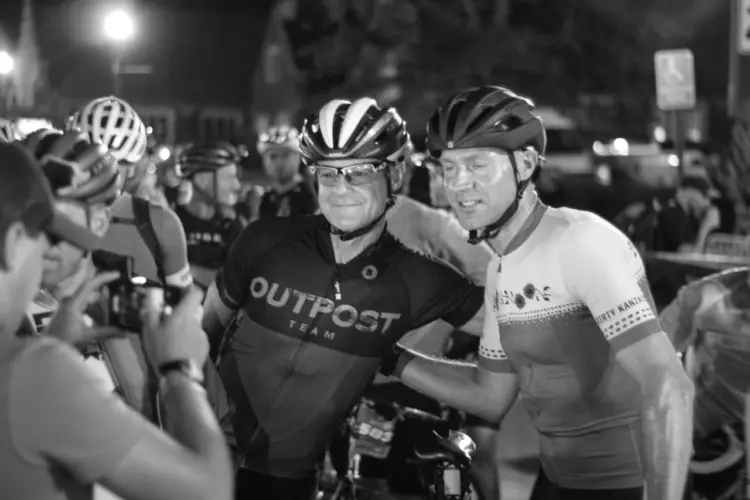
(7, 63)
(119, 27)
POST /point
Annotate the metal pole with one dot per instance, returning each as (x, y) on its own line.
(117, 74)
(679, 143)
(733, 82)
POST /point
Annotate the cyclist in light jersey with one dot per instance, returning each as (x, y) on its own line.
(570, 321)
(114, 123)
(153, 238)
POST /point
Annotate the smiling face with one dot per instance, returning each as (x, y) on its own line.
(350, 207)
(480, 183)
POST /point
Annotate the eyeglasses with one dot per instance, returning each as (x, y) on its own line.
(355, 175)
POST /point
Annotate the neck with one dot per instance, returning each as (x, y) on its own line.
(345, 251)
(509, 231)
(201, 209)
(284, 185)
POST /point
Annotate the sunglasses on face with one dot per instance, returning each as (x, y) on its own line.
(355, 175)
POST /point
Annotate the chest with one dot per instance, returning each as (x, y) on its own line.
(360, 308)
(537, 316)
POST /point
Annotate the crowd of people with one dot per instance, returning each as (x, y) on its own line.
(313, 287)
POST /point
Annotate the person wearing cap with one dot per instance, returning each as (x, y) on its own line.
(289, 193)
(60, 431)
(686, 220)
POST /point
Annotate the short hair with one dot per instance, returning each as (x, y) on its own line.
(25, 195)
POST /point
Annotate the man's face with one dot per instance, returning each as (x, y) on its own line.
(479, 183)
(224, 184)
(281, 164)
(349, 207)
(63, 260)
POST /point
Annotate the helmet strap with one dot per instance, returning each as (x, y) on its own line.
(491, 231)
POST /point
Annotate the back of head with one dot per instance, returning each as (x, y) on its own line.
(25, 194)
(491, 117)
(358, 129)
(209, 157)
(112, 122)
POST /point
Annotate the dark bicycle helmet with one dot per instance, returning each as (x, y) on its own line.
(209, 157)
(489, 117)
(79, 171)
(360, 129)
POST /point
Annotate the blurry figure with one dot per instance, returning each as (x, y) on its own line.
(209, 219)
(8, 131)
(682, 223)
(289, 194)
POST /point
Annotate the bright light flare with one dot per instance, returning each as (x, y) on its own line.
(119, 26)
(7, 63)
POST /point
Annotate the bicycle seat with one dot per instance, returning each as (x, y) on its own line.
(457, 448)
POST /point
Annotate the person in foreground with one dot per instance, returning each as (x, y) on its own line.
(323, 298)
(570, 322)
(60, 430)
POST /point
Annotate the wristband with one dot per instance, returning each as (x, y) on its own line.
(184, 366)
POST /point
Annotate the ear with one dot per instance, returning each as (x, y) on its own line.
(397, 177)
(12, 243)
(527, 161)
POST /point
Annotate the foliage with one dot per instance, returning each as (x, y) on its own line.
(414, 53)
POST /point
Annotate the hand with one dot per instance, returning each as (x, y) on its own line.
(69, 323)
(179, 336)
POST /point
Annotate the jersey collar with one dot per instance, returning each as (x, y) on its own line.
(528, 227)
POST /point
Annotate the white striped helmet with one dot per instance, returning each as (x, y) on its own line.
(354, 129)
(115, 124)
(8, 131)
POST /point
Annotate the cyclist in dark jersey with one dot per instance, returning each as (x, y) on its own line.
(210, 227)
(322, 299)
(290, 193)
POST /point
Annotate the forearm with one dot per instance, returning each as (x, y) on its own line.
(457, 384)
(667, 424)
(188, 418)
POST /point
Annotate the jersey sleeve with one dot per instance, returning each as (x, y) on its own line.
(492, 356)
(59, 411)
(174, 246)
(438, 291)
(233, 279)
(603, 270)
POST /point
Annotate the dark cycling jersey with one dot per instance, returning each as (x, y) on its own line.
(712, 317)
(208, 241)
(312, 332)
(297, 200)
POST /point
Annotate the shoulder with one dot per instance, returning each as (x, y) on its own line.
(418, 265)
(589, 233)
(163, 216)
(267, 232)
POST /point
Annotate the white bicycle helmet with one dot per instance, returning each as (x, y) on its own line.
(115, 124)
(279, 137)
(8, 132)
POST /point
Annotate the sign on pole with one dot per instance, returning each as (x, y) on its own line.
(743, 27)
(675, 79)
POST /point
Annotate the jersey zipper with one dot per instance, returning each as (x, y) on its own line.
(302, 347)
